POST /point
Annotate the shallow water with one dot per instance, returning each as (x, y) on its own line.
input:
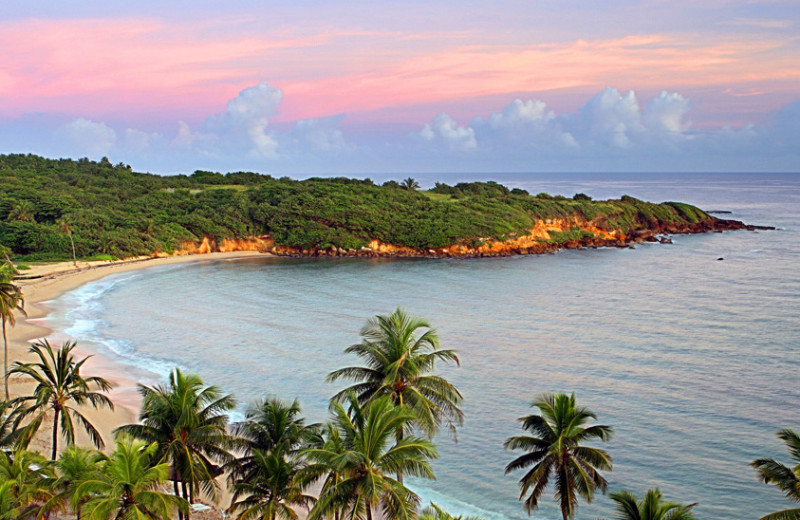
(691, 359)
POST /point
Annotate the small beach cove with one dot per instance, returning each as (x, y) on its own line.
(46, 282)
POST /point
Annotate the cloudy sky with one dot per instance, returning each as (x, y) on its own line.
(408, 86)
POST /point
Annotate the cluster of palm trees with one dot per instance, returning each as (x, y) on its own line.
(353, 466)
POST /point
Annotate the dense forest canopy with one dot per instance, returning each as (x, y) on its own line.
(112, 210)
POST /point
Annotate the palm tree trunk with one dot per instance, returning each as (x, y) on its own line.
(369, 511)
(185, 497)
(74, 259)
(177, 494)
(400, 435)
(55, 433)
(5, 358)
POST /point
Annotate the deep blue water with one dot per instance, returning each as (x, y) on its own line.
(694, 361)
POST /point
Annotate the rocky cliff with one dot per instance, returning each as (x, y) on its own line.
(546, 236)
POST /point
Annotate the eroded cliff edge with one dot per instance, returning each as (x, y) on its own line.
(546, 236)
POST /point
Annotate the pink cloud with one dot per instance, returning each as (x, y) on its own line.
(103, 68)
(641, 62)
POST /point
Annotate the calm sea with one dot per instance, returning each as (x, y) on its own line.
(693, 360)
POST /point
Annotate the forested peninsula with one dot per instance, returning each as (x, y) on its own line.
(50, 207)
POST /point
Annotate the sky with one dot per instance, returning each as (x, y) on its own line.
(357, 87)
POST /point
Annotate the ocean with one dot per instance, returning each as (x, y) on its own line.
(689, 350)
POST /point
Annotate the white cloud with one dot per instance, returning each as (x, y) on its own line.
(610, 118)
(320, 134)
(138, 141)
(87, 137)
(611, 131)
(667, 113)
(243, 126)
(184, 137)
(522, 113)
(445, 130)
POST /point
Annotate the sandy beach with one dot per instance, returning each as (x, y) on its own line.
(46, 282)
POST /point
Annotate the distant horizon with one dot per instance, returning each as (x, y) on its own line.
(404, 174)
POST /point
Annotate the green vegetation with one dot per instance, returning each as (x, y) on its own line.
(398, 365)
(128, 485)
(372, 453)
(575, 233)
(60, 387)
(555, 451)
(784, 478)
(11, 301)
(186, 422)
(651, 507)
(65, 209)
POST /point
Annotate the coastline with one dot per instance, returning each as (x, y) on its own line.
(50, 282)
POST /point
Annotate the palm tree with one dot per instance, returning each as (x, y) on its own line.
(29, 479)
(269, 424)
(10, 300)
(11, 436)
(58, 383)
(434, 512)
(64, 224)
(187, 420)
(328, 446)
(372, 454)
(785, 478)
(555, 450)
(398, 364)
(409, 184)
(10, 506)
(24, 211)
(651, 507)
(74, 466)
(127, 486)
(271, 487)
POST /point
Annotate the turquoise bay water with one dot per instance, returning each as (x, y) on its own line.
(693, 360)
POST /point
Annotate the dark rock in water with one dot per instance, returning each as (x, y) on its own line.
(719, 212)
(720, 258)
(665, 240)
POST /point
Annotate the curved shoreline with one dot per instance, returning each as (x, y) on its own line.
(47, 282)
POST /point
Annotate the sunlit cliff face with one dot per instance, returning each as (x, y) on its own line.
(226, 245)
(538, 239)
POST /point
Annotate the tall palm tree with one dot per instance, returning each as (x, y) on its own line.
(787, 479)
(187, 420)
(555, 450)
(651, 507)
(127, 486)
(11, 300)
(65, 226)
(399, 357)
(269, 424)
(372, 455)
(59, 383)
(271, 488)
